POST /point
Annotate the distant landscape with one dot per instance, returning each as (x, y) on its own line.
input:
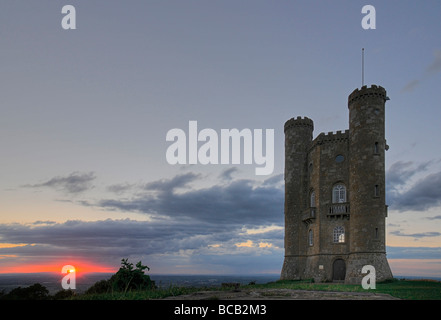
(52, 280)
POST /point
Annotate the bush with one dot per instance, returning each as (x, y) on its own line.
(64, 294)
(102, 286)
(34, 292)
(127, 278)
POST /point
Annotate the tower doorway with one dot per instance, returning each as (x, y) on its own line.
(339, 270)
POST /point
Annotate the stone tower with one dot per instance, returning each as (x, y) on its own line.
(335, 206)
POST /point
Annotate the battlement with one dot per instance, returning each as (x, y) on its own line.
(365, 92)
(299, 122)
(338, 136)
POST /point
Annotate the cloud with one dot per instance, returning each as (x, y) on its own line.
(434, 218)
(226, 174)
(403, 194)
(433, 68)
(416, 235)
(185, 226)
(240, 202)
(413, 252)
(423, 195)
(107, 241)
(400, 172)
(74, 183)
(170, 185)
(275, 181)
(411, 85)
(120, 188)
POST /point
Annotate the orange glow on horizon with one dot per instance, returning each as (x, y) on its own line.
(56, 268)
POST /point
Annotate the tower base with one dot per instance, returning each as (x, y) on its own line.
(345, 268)
(356, 261)
(293, 268)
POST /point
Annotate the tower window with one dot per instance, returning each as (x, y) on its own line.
(312, 200)
(340, 158)
(310, 238)
(339, 234)
(376, 150)
(376, 233)
(339, 194)
(376, 191)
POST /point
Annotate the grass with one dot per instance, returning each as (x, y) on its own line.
(403, 289)
(412, 289)
(138, 295)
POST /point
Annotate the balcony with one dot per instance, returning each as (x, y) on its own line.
(339, 210)
(309, 215)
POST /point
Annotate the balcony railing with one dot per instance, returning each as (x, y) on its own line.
(339, 209)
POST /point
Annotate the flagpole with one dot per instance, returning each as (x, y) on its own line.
(362, 67)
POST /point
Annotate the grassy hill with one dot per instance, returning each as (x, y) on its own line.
(403, 289)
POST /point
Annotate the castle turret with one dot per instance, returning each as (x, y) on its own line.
(367, 146)
(298, 138)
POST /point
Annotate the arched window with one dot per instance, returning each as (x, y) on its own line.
(339, 194)
(339, 234)
(310, 237)
(312, 199)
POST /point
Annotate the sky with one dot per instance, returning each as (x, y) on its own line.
(84, 114)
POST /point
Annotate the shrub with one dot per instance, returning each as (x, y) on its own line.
(34, 292)
(127, 278)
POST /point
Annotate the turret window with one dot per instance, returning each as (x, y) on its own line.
(339, 194)
(376, 149)
(376, 191)
(311, 238)
(312, 199)
(340, 158)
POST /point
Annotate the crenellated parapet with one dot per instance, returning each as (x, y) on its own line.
(331, 137)
(367, 93)
(299, 122)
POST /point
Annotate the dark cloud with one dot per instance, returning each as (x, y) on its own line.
(108, 241)
(434, 218)
(423, 194)
(226, 174)
(400, 172)
(74, 183)
(120, 188)
(240, 202)
(275, 181)
(39, 222)
(169, 185)
(116, 236)
(185, 224)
